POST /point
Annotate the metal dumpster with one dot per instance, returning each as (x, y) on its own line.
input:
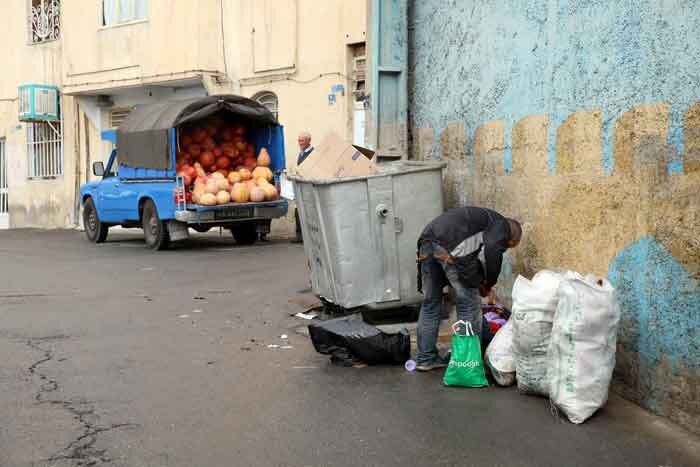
(360, 233)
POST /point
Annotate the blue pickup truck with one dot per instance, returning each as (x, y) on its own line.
(140, 187)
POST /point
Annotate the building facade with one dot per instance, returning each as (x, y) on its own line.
(301, 58)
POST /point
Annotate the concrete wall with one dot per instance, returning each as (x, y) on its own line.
(582, 119)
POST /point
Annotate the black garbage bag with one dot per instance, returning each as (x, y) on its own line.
(350, 340)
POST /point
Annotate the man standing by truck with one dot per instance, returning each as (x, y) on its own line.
(463, 248)
(305, 149)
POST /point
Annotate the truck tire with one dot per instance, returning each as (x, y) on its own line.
(95, 230)
(245, 234)
(155, 231)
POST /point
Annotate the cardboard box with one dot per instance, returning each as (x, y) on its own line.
(336, 158)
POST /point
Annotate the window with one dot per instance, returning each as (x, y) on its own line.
(117, 116)
(44, 149)
(269, 100)
(123, 11)
(3, 178)
(44, 20)
(358, 66)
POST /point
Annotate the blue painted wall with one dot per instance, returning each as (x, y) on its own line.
(476, 61)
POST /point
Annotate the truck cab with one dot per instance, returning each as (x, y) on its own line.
(140, 186)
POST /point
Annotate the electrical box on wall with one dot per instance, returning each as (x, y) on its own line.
(39, 103)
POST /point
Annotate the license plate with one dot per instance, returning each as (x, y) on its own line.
(233, 213)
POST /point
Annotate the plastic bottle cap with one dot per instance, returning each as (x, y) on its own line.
(410, 365)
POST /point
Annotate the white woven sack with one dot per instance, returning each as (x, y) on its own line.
(534, 303)
(581, 356)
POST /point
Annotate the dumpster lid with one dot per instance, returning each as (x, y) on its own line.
(143, 139)
(383, 170)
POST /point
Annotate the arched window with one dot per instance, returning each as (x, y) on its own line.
(269, 100)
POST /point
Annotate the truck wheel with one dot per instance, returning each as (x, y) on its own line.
(245, 234)
(95, 230)
(154, 230)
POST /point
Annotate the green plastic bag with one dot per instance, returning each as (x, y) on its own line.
(466, 366)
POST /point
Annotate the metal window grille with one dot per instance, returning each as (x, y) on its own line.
(44, 20)
(44, 149)
(269, 100)
(117, 116)
(3, 178)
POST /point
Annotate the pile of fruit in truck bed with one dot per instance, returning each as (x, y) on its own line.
(219, 164)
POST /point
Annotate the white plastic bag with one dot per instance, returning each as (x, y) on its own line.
(499, 356)
(581, 355)
(534, 303)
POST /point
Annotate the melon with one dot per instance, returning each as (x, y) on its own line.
(270, 192)
(262, 172)
(240, 193)
(223, 184)
(234, 177)
(223, 162)
(208, 199)
(223, 197)
(212, 186)
(264, 158)
(257, 194)
(244, 173)
(251, 184)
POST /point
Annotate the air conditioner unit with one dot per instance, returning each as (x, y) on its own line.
(39, 103)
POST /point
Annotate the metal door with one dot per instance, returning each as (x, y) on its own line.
(4, 202)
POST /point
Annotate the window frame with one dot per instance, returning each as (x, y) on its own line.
(259, 97)
(45, 157)
(129, 22)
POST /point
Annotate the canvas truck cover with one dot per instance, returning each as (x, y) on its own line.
(143, 140)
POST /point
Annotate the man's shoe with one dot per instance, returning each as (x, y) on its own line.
(430, 366)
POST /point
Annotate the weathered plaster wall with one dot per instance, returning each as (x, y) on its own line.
(582, 119)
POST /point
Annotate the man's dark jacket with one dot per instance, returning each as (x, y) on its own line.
(475, 238)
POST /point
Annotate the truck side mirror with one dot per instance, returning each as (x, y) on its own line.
(98, 168)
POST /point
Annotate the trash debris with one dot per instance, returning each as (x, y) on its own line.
(286, 347)
(500, 358)
(494, 317)
(310, 315)
(284, 336)
(245, 348)
(350, 341)
(273, 346)
(197, 311)
(211, 362)
(198, 298)
(184, 316)
(410, 365)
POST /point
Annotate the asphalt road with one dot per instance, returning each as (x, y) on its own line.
(113, 355)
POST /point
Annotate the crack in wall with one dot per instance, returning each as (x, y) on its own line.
(82, 450)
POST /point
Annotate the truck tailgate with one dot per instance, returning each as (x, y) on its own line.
(196, 213)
